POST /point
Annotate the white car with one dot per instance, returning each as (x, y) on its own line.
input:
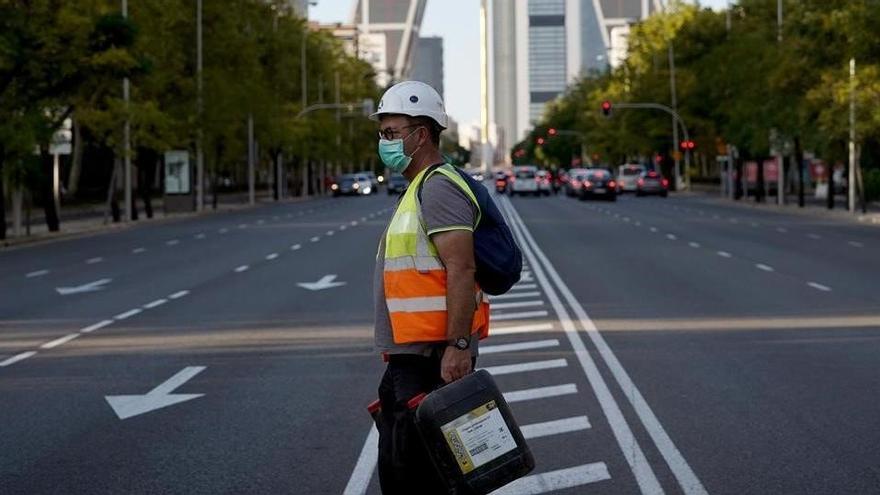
(545, 182)
(628, 176)
(524, 180)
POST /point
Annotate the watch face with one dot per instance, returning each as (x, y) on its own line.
(462, 343)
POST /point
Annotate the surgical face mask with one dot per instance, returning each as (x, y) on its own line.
(392, 154)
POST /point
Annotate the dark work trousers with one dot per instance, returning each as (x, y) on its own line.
(404, 465)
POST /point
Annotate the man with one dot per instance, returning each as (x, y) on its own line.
(429, 309)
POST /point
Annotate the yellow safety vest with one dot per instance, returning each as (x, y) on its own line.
(414, 276)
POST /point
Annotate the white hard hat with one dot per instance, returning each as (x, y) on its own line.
(413, 98)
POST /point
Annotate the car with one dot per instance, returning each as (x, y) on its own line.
(374, 182)
(628, 175)
(574, 180)
(651, 182)
(524, 180)
(501, 181)
(543, 178)
(352, 185)
(396, 183)
(599, 183)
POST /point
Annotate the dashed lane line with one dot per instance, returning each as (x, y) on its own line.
(92, 261)
(128, 314)
(525, 367)
(271, 257)
(242, 268)
(96, 326)
(818, 286)
(763, 267)
(18, 357)
(155, 304)
(539, 392)
(556, 427)
(60, 341)
(38, 273)
(519, 346)
(725, 254)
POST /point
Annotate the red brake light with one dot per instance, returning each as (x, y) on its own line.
(588, 183)
(665, 183)
(612, 184)
(641, 182)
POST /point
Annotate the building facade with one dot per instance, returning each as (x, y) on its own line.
(538, 47)
(388, 34)
(428, 63)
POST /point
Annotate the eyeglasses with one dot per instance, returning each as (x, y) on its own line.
(390, 133)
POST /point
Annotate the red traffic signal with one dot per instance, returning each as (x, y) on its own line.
(551, 131)
(658, 159)
(540, 141)
(687, 145)
(606, 108)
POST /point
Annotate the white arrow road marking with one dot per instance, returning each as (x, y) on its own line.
(127, 406)
(326, 282)
(89, 287)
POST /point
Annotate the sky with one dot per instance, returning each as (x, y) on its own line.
(458, 23)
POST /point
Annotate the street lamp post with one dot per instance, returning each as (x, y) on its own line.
(200, 159)
(126, 96)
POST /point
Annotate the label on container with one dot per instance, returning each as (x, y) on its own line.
(478, 437)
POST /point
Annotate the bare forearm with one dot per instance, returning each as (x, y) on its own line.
(460, 302)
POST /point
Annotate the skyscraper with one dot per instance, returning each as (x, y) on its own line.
(428, 63)
(388, 30)
(538, 47)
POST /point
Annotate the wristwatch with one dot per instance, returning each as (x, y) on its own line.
(460, 343)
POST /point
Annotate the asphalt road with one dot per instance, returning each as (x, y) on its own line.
(675, 345)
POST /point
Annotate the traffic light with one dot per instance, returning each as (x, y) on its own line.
(687, 145)
(540, 141)
(658, 159)
(551, 131)
(606, 108)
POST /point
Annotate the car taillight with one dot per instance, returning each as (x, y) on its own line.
(588, 183)
(612, 184)
(641, 182)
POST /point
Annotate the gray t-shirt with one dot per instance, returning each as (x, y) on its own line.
(444, 207)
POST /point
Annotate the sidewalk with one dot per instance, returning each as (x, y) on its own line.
(84, 220)
(813, 207)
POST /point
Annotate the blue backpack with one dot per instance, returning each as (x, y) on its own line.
(498, 258)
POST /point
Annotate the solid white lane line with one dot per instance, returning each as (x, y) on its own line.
(671, 237)
(366, 464)
(38, 273)
(815, 285)
(557, 480)
(138, 250)
(155, 304)
(514, 295)
(517, 316)
(724, 254)
(128, 314)
(766, 268)
(271, 257)
(61, 341)
(519, 346)
(556, 427)
(96, 326)
(856, 244)
(694, 245)
(315, 239)
(17, 358)
(518, 329)
(627, 442)
(172, 242)
(178, 295)
(525, 367)
(242, 268)
(539, 392)
(92, 261)
(295, 247)
(520, 304)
